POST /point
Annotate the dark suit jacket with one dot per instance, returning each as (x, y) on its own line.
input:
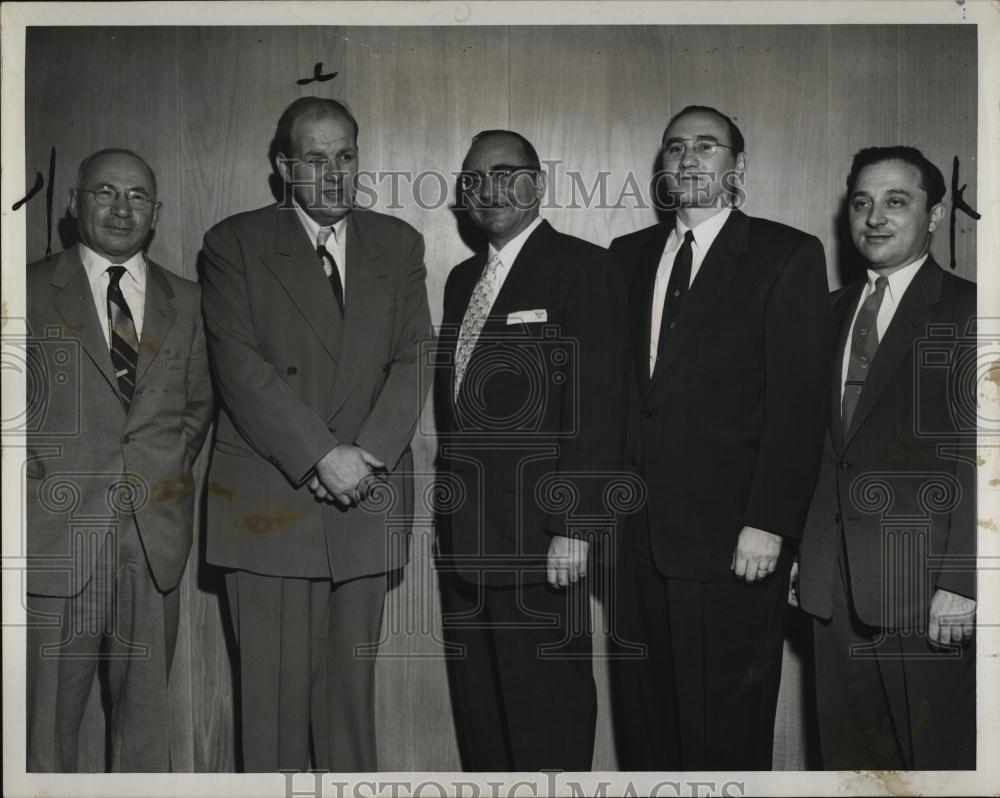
(728, 430)
(900, 483)
(535, 437)
(294, 380)
(89, 461)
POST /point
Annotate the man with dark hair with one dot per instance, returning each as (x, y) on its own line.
(122, 370)
(727, 397)
(530, 406)
(887, 563)
(316, 313)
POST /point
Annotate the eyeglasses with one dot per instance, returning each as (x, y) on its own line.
(703, 148)
(500, 176)
(137, 200)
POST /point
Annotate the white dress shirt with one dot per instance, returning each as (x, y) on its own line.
(336, 244)
(704, 235)
(899, 281)
(509, 254)
(132, 284)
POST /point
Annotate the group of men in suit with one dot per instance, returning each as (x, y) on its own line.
(691, 362)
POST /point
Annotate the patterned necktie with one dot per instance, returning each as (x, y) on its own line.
(677, 288)
(864, 342)
(330, 266)
(124, 341)
(482, 299)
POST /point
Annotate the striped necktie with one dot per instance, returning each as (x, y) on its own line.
(864, 343)
(483, 296)
(124, 341)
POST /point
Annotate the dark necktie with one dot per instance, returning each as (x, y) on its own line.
(124, 341)
(327, 260)
(864, 342)
(677, 289)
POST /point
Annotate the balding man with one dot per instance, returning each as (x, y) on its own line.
(122, 376)
(316, 312)
(531, 413)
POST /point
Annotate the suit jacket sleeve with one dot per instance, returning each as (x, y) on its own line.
(276, 422)
(959, 574)
(198, 414)
(388, 429)
(594, 319)
(797, 344)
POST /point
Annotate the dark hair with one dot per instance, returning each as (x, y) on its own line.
(931, 179)
(529, 151)
(735, 135)
(303, 107)
(86, 163)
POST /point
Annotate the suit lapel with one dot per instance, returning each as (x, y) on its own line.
(157, 317)
(296, 266)
(843, 315)
(75, 302)
(716, 272)
(366, 296)
(641, 301)
(537, 248)
(907, 323)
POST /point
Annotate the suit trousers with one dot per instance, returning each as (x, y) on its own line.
(121, 622)
(705, 694)
(521, 675)
(888, 701)
(307, 651)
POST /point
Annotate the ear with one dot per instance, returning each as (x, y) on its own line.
(937, 216)
(156, 214)
(541, 183)
(71, 198)
(741, 162)
(284, 167)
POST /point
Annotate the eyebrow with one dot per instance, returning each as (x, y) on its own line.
(700, 137)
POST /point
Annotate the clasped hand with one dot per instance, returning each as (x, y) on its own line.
(341, 475)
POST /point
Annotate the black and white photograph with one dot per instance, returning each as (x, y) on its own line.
(501, 398)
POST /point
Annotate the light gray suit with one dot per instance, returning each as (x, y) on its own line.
(109, 508)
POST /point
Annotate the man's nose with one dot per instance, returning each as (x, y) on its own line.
(876, 216)
(689, 158)
(120, 206)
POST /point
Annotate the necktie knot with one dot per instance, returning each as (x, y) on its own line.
(116, 273)
(881, 284)
(688, 238)
(323, 235)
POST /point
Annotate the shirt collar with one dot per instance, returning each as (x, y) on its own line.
(899, 280)
(508, 254)
(312, 226)
(704, 233)
(95, 265)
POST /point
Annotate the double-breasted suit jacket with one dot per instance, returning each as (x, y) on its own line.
(295, 379)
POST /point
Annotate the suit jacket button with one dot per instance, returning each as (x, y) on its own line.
(845, 466)
(291, 371)
(633, 461)
(836, 518)
(126, 439)
(649, 413)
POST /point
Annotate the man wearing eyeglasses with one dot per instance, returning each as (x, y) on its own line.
(530, 406)
(730, 352)
(316, 314)
(121, 377)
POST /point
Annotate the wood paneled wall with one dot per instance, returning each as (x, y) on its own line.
(201, 104)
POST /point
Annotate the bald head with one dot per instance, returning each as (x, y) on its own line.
(93, 161)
